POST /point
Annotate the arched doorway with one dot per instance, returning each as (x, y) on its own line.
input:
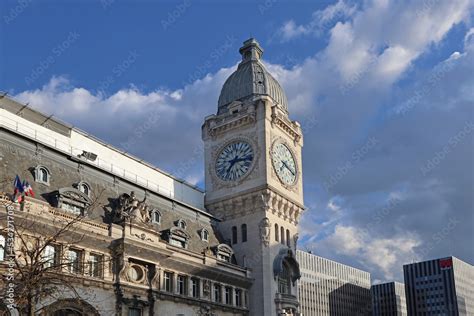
(70, 307)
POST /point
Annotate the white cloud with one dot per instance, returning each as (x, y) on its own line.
(321, 21)
(385, 254)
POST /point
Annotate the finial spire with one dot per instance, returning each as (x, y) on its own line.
(251, 50)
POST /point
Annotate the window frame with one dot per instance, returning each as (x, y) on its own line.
(217, 288)
(181, 284)
(238, 297)
(204, 235)
(99, 262)
(71, 266)
(235, 239)
(168, 281)
(228, 295)
(38, 175)
(153, 213)
(195, 287)
(55, 256)
(83, 184)
(243, 232)
(181, 223)
(288, 238)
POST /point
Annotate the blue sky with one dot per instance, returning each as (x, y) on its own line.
(383, 91)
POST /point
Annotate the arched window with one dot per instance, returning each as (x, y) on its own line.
(288, 238)
(84, 188)
(204, 235)
(276, 232)
(244, 232)
(155, 216)
(284, 282)
(234, 234)
(181, 224)
(282, 235)
(42, 174)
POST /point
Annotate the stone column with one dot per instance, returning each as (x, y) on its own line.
(85, 262)
(222, 294)
(174, 281)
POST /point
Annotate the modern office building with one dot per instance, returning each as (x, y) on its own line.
(327, 287)
(439, 287)
(388, 299)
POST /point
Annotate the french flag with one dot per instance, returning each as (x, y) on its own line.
(28, 189)
(18, 189)
(18, 186)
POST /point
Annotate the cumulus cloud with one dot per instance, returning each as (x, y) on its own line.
(139, 122)
(385, 254)
(321, 21)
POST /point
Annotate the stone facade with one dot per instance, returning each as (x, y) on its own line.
(266, 201)
(165, 248)
(160, 255)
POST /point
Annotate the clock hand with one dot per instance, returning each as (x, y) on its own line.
(243, 159)
(289, 169)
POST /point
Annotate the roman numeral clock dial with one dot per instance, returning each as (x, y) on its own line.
(234, 161)
(284, 164)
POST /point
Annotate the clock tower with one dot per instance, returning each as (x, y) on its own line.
(254, 181)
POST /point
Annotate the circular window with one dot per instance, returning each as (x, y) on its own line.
(135, 273)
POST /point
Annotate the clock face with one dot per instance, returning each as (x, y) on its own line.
(234, 161)
(284, 163)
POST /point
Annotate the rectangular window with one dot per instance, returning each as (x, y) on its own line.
(177, 243)
(74, 261)
(168, 281)
(217, 293)
(181, 284)
(195, 287)
(132, 311)
(95, 265)
(50, 257)
(228, 295)
(238, 297)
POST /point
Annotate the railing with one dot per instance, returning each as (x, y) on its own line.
(75, 152)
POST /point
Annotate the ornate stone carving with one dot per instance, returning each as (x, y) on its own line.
(155, 282)
(123, 272)
(205, 311)
(206, 287)
(295, 239)
(265, 229)
(129, 207)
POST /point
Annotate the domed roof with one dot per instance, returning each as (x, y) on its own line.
(250, 79)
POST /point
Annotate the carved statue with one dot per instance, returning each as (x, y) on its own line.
(265, 229)
(206, 288)
(295, 239)
(129, 207)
